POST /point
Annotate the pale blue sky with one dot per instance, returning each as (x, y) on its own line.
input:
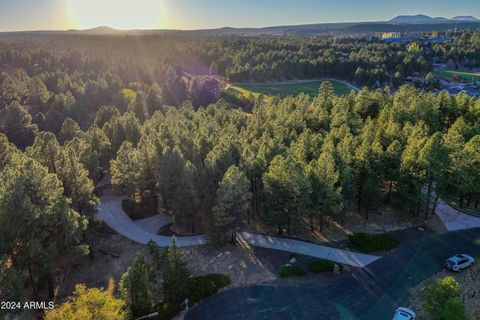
(196, 14)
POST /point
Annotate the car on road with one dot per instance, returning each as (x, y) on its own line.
(403, 313)
(459, 262)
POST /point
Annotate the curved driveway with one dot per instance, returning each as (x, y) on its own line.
(111, 211)
(142, 231)
(369, 293)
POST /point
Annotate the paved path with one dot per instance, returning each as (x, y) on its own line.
(154, 223)
(453, 219)
(307, 248)
(111, 211)
(142, 231)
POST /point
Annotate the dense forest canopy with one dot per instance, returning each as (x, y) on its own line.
(147, 111)
(58, 77)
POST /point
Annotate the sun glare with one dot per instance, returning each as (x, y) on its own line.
(118, 14)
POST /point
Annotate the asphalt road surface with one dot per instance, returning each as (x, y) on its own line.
(372, 293)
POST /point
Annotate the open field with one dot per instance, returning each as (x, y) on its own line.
(288, 88)
(464, 75)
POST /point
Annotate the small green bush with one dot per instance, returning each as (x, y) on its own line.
(199, 288)
(291, 271)
(319, 266)
(167, 311)
(205, 286)
(366, 242)
(454, 309)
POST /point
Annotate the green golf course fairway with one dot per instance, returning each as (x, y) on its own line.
(464, 75)
(288, 88)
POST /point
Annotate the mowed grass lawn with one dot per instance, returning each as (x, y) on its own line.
(288, 89)
(464, 75)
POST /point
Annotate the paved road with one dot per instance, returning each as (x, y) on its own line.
(369, 293)
(142, 231)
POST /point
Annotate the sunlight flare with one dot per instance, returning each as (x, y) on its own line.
(118, 14)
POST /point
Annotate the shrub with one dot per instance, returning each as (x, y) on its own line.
(438, 294)
(167, 310)
(371, 242)
(318, 266)
(199, 288)
(205, 286)
(454, 309)
(291, 271)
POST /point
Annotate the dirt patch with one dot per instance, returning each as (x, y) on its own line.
(469, 281)
(111, 255)
(242, 265)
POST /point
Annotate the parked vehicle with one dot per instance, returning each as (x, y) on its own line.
(403, 313)
(459, 262)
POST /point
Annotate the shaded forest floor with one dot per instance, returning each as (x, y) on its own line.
(385, 219)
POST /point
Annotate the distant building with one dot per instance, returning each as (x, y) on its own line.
(391, 35)
(397, 37)
(437, 39)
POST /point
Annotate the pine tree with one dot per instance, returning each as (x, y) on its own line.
(287, 193)
(76, 182)
(125, 170)
(175, 275)
(136, 286)
(232, 203)
(326, 191)
(18, 126)
(70, 129)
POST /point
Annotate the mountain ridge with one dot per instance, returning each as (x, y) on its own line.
(401, 23)
(422, 18)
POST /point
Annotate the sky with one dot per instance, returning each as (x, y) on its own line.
(18, 15)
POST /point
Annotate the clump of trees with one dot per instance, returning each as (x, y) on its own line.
(304, 159)
(89, 304)
(39, 224)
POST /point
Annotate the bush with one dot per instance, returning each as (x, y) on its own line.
(454, 309)
(438, 294)
(291, 271)
(365, 242)
(318, 266)
(205, 286)
(199, 288)
(167, 310)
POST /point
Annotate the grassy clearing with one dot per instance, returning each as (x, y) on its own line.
(464, 75)
(288, 89)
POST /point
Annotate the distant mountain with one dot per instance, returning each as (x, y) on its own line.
(102, 30)
(402, 23)
(414, 19)
(465, 18)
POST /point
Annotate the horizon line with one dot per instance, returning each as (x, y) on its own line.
(237, 27)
